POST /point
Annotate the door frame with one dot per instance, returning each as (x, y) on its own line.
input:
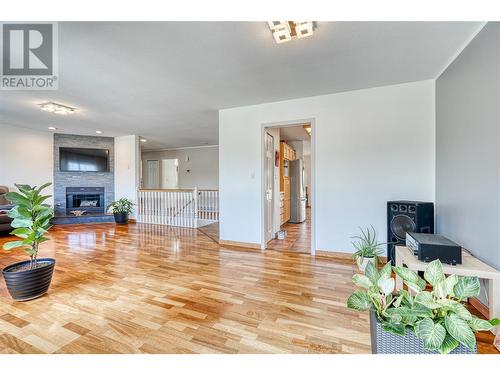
(284, 124)
(273, 219)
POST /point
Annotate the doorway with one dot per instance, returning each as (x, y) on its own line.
(169, 173)
(152, 180)
(288, 165)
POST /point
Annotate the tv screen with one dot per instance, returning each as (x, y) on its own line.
(83, 159)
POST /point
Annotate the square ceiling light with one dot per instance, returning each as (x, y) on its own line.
(284, 31)
(57, 108)
(282, 35)
(304, 29)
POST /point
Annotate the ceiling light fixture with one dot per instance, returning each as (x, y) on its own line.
(284, 31)
(98, 131)
(57, 108)
(52, 128)
(144, 140)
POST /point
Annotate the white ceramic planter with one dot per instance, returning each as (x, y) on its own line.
(363, 263)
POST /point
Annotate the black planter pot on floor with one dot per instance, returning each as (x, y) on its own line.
(29, 284)
(121, 218)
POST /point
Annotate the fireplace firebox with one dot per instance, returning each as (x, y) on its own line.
(88, 199)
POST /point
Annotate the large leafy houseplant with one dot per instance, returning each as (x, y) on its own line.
(121, 209)
(436, 316)
(31, 220)
(367, 247)
(123, 205)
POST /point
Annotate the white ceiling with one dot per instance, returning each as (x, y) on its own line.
(166, 81)
(294, 133)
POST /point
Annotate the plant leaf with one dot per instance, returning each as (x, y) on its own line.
(386, 271)
(461, 311)
(421, 311)
(361, 281)
(359, 300)
(425, 299)
(386, 285)
(432, 334)
(396, 328)
(448, 345)
(495, 321)
(460, 330)
(434, 273)
(12, 245)
(410, 278)
(467, 286)
(372, 273)
(477, 324)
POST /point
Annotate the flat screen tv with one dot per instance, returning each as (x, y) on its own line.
(83, 159)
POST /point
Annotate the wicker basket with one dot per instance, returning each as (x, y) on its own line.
(388, 343)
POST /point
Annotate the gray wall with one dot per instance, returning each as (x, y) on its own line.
(468, 147)
(203, 165)
(82, 179)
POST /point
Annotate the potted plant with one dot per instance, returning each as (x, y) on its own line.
(427, 322)
(121, 209)
(29, 279)
(367, 248)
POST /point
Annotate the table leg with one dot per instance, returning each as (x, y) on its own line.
(399, 263)
(494, 302)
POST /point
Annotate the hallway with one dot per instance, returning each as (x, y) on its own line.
(298, 238)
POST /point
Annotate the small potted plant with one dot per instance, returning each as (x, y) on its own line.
(121, 209)
(425, 322)
(29, 279)
(367, 248)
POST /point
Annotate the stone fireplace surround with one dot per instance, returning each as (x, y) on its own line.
(65, 180)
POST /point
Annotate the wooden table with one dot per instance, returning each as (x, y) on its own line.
(471, 266)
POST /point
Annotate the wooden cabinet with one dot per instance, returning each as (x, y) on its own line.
(287, 153)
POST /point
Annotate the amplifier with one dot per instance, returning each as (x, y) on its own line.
(428, 247)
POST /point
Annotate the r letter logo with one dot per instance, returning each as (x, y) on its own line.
(29, 56)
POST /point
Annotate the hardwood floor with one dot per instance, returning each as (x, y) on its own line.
(155, 289)
(298, 237)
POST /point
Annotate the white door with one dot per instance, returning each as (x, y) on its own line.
(269, 186)
(152, 174)
(170, 173)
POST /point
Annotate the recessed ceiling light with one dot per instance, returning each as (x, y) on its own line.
(144, 140)
(52, 128)
(57, 108)
(98, 131)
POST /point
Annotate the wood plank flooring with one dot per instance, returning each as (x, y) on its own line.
(155, 289)
(298, 237)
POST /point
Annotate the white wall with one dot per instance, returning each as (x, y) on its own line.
(203, 165)
(26, 157)
(468, 148)
(127, 167)
(372, 146)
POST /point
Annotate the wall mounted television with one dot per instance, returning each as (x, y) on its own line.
(73, 159)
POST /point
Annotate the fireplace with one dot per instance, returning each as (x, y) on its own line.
(88, 199)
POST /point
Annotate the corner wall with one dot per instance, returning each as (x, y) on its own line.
(26, 157)
(372, 146)
(127, 168)
(468, 147)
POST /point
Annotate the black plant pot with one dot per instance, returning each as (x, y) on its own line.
(121, 218)
(29, 284)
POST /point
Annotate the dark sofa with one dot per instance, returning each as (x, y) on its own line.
(5, 206)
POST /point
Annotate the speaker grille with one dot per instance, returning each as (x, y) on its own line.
(400, 224)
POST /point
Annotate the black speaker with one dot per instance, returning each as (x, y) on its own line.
(407, 216)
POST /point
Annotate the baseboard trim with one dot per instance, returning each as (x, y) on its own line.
(481, 307)
(334, 255)
(246, 245)
(342, 256)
